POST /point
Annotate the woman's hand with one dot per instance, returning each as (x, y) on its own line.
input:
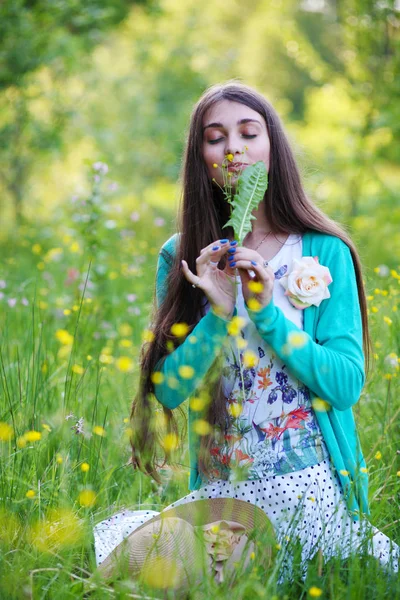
(261, 285)
(218, 285)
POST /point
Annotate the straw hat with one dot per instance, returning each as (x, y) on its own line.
(178, 547)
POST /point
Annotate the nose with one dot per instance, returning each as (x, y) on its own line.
(232, 145)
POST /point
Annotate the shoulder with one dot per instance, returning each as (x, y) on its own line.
(324, 245)
(168, 249)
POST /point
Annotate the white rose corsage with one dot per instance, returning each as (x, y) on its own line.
(307, 283)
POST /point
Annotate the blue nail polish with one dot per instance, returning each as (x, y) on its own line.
(232, 264)
(231, 250)
(233, 243)
(216, 248)
(223, 241)
(253, 262)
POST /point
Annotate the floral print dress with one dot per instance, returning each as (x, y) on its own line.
(272, 429)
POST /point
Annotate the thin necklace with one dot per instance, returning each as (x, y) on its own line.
(263, 240)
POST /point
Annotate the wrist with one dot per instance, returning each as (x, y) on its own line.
(222, 313)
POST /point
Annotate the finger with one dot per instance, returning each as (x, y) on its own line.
(191, 277)
(223, 243)
(213, 255)
(261, 273)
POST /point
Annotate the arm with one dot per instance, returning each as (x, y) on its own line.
(333, 366)
(198, 351)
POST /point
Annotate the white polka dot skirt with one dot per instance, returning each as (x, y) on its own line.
(306, 505)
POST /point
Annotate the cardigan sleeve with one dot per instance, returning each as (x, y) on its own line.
(332, 366)
(197, 352)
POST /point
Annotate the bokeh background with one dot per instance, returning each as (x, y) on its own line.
(95, 101)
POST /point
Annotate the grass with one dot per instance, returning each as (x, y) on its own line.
(76, 297)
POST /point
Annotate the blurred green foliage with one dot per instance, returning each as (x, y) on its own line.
(116, 81)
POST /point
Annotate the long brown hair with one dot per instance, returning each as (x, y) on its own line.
(202, 215)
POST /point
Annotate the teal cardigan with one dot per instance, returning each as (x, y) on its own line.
(330, 364)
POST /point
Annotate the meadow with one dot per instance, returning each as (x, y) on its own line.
(76, 301)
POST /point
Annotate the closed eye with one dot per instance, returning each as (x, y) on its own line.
(248, 137)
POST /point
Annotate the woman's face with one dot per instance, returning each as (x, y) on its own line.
(233, 128)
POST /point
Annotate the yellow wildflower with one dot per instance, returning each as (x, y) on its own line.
(297, 339)
(180, 329)
(161, 573)
(255, 286)
(124, 364)
(201, 427)
(125, 330)
(74, 247)
(30, 494)
(388, 320)
(378, 455)
(250, 359)
(235, 409)
(21, 442)
(320, 405)
(147, 335)
(374, 309)
(77, 369)
(46, 427)
(32, 436)
(236, 325)
(67, 312)
(364, 470)
(198, 404)
(186, 372)
(64, 337)
(229, 157)
(344, 472)
(241, 343)
(173, 383)
(105, 359)
(215, 165)
(36, 248)
(170, 442)
(315, 592)
(85, 467)
(125, 343)
(87, 498)
(59, 459)
(6, 432)
(157, 377)
(98, 430)
(254, 305)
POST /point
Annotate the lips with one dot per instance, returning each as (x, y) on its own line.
(236, 166)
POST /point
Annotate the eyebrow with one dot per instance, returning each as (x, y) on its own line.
(241, 122)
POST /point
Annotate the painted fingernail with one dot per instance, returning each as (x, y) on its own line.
(233, 243)
(232, 264)
(253, 262)
(231, 250)
(215, 248)
(223, 241)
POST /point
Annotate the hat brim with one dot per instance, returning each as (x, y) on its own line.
(198, 513)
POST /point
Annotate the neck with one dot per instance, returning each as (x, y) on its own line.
(260, 225)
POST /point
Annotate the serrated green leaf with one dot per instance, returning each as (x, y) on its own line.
(251, 188)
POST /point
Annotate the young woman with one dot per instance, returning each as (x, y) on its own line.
(272, 355)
